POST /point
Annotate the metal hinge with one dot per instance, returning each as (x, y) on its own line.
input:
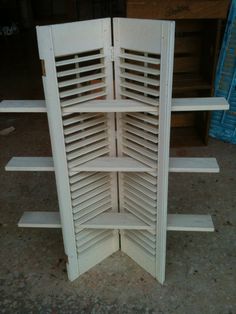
(112, 53)
(43, 68)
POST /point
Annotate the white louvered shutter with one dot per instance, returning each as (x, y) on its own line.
(79, 68)
(143, 72)
(79, 74)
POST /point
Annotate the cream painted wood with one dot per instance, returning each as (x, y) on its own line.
(178, 104)
(30, 164)
(40, 220)
(180, 222)
(175, 222)
(22, 106)
(192, 164)
(102, 147)
(199, 104)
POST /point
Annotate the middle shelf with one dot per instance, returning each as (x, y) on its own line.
(108, 164)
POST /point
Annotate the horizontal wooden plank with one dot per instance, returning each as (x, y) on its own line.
(185, 164)
(177, 164)
(107, 164)
(30, 164)
(176, 222)
(22, 106)
(199, 104)
(123, 105)
(180, 222)
(116, 221)
(40, 220)
(177, 9)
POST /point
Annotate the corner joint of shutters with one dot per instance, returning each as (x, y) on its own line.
(112, 53)
(43, 67)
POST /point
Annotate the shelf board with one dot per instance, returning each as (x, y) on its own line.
(192, 164)
(30, 164)
(175, 222)
(23, 106)
(108, 164)
(116, 221)
(199, 104)
(122, 105)
(179, 222)
(40, 220)
(177, 164)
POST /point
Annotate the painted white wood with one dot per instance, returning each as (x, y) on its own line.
(181, 222)
(139, 34)
(22, 106)
(199, 104)
(185, 164)
(40, 220)
(116, 221)
(108, 164)
(30, 164)
(46, 53)
(124, 105)
(178, 104)
(74, 38)
(167, 56)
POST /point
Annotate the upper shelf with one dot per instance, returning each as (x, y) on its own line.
(123, 105)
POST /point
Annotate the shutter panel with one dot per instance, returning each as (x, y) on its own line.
(78, 69)
(143, 72)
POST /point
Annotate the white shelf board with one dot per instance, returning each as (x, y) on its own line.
(123, 105)
(192, 164)
(30, 164)
(22, 106)
(116, 221)
(177, 164)
(199, 104)
(40, 220)
(108, 164)
(179, 222)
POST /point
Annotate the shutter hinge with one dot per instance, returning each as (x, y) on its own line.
(43, 68)
(112, 53)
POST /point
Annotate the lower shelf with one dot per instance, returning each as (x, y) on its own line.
(175, 222)
(177, 164)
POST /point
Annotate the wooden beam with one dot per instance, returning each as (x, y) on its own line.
(179, 222)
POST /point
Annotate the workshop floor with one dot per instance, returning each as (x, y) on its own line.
(200, 272)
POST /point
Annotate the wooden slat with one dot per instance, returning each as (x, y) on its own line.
(30, 164)
(139, 58)
(40, 220)
(184, 164)
(137, 68)
(79, 59)
(108, 164)
(179, 222)
(22, 106)
(116, 221)
(199, 104)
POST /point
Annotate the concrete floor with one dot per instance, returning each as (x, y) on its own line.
(200, 274)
